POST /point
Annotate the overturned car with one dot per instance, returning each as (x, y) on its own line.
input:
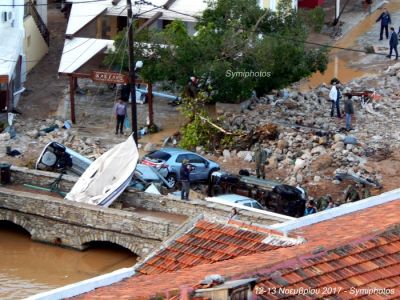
(274, 196)
(56, 157)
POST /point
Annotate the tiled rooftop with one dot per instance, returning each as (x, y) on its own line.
(353, 228)
(366, 268)
(208, 243)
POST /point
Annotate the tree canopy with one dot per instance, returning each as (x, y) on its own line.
(238, 48)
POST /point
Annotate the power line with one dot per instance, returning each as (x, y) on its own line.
(46, 4)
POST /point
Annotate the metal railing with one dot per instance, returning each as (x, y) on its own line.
(30, 10)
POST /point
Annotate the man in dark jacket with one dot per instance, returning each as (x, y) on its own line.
(184, 174)
(385, 21)
(348, 110)
(393, 43)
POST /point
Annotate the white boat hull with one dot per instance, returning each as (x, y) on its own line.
(108, 176)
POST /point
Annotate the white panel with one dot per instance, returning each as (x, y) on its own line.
(78, 51)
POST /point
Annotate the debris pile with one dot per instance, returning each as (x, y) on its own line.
(308, 143)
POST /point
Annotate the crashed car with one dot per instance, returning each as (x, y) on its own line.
(59, 158)
(168, 162)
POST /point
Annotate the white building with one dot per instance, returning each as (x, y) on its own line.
(23, 43)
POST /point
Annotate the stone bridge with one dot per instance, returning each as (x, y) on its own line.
(53, 220)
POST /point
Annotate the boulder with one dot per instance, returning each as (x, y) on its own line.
(282, 144)
(338, 137)
(318, 150)
(5, 136)
(321, 163)
(226, 154)
(299, 164)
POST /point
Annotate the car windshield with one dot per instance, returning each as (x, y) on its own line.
(257, 205)
(159, 155)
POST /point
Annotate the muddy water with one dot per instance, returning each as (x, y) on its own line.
(28, 267)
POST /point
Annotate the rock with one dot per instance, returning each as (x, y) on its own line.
(339, 146)
(199, 149)
(282, 144)
(323, 140)
(321, 163)
(226, 154)
(244, 154)
(299, 164)
(149, 147)
(290, 103)
(338, 137)
(273, 162)
(33, 133)
(299, 178)
(5, 136)
(248, 157)
(317, 178)
(318, 150)
(350, 140)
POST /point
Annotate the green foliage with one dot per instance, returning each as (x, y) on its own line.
(239, 48)
(313, 18)
(197, 131)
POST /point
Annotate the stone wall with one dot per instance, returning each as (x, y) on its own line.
(133, 198)
(192, 208)
(73, 224)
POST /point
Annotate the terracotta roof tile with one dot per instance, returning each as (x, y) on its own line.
(207, 243)
(359, 232)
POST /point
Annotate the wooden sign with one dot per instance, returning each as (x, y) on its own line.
(3, 78)
(109, 77)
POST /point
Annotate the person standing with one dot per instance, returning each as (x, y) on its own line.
(120, 111)
(184, 174)
(393, 42)
(234, 215)
(334, 96)
(348, 110)
(310, 209)
(385, 21)
(260, 157)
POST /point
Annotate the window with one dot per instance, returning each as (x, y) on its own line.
(3, 16)
(195, 159)
(159, 155)
(181, 157)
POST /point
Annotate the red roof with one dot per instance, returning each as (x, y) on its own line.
(208, 243)
(355, 228)
(371, 267)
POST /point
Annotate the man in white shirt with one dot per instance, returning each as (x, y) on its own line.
(335, 96)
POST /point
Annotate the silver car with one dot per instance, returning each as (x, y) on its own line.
(168, 162)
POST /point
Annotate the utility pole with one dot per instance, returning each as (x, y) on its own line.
(132, 75)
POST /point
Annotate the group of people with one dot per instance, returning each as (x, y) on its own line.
(335, 95)
(351, 194)
(386, 20)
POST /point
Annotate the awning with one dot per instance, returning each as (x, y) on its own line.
(78, 51)
(179, 10)
(83, 13)
(11, 44)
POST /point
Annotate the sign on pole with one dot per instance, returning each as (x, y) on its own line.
(109, 77)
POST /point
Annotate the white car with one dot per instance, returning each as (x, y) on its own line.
(236, 201)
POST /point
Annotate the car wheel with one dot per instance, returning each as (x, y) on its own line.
(209, 174)
(172, 180)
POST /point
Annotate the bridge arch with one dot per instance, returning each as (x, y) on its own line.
(111, 238)
(21, 222)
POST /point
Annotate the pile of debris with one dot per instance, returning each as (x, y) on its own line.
(311, 145)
